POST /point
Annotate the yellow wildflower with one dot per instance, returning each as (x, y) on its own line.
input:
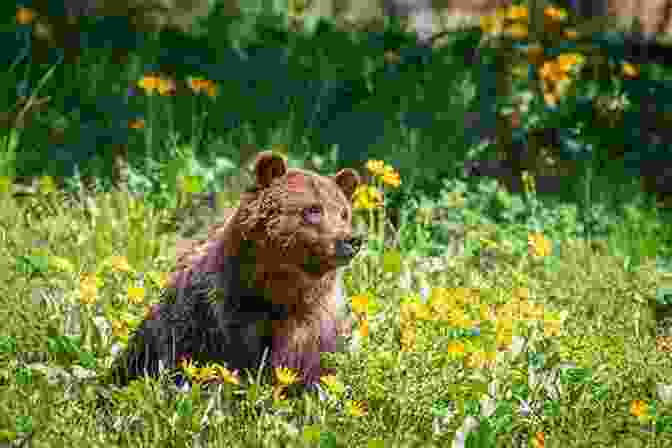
(286, 376)
(136, 294)
(456, 349)
(491, 24)
(571, 34)
(360, 303)
(364, 328)
(517, 12)
(355, 408)
(199, 85)
(152, 83)
(539, 440)
(638, 408)
(137, 124)
(630, 70)
(333, 384)
(226, 375)
(539, 245)
(88, 288)
(556, 14)
(25, 16)
(480, 359)
(119, 263)
(391, 177)
(120, 329)
(552, 71)
(567, 61)
(517, 31)
(376, 167)
(367, 198)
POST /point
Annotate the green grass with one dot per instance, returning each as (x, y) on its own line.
(54, 349)
(460, 255)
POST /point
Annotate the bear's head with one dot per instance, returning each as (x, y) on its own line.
(300, 222)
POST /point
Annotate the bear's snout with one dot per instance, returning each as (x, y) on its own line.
(347, 248)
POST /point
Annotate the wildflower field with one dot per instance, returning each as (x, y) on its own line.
(482, 318)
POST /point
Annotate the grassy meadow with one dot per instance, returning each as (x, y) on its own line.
(482, 318)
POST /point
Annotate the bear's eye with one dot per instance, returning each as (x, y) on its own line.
(344, 214)
(312, 214)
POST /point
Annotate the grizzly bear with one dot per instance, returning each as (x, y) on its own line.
(268, 278)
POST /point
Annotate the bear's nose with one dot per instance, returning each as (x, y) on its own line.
(348, 248)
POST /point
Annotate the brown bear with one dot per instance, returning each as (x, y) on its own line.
(268, 278)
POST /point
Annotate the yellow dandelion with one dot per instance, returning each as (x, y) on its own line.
(523, 292)
(228, 376)
(567, 61)
(456, 349)
(556, 14)
(407, 337)
(367, 197)
(286, 376)
(198, 85)
(551, 99)
(25, 16)
(376, 167)
(459, 319)
(152, 83)
(517, 31)
(201, 374)
(571, 34)
(638, 408)
(120, 329)
(538, 441)
(88, 288)
(364, 328)
(421, 311)
(360, 303)
(539, 245)
(136, 294)
(480, 359)
(517, 12)
(333, 384)
(630, 70)
(491, 24)
(485, 311)
(118, 263)
(504, 337)
(391, 177)
(137, 124)
(355, 408)
(552, 71)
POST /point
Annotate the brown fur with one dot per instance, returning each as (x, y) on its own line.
(288, 238)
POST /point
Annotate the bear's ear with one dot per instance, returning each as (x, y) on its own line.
(348, 180)
(267, 167)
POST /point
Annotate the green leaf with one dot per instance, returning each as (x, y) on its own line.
(392, 261)
(311, 433)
